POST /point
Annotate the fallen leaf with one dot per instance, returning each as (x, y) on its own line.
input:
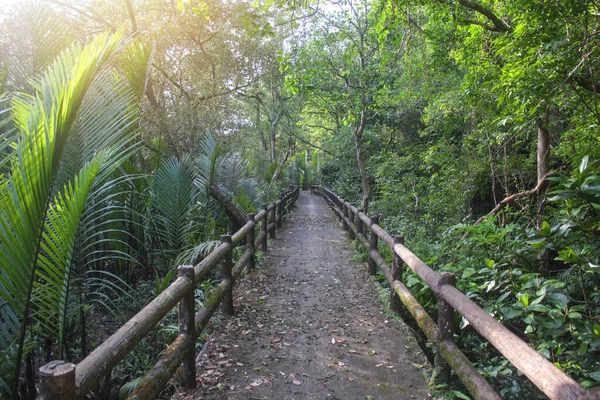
(246, 332)
(351, 379)
(256, 383)
(332, 340)
(378, 365)
(277, 340)
(335, 330)
(259, 325)
(352, 351)
(297, 383)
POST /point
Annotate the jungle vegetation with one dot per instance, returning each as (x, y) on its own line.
(134, 132)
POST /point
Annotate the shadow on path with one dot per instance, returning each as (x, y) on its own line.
(309, 324)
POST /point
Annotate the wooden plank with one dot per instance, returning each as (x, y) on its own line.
(150, 386)
(92, 368)
(260, 215)
(546, 376)
(479, 388)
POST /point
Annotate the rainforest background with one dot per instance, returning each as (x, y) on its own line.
(134, 131)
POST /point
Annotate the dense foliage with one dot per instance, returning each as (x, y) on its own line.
(132, 132)
(480, 147)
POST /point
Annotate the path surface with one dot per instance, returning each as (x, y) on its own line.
(309, 324)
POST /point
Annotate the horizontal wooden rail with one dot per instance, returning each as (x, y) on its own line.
(60, 380)
(546, 376)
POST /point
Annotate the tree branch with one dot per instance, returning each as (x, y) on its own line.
(515, 196)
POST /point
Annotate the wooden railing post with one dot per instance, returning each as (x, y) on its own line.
(250, 238)
(272, 234)
(397, 270)
(373, 246)
(359, 223)
(445, 325)
(57, 381)
(279, 210)
(226, 266)
(187, 313)
(345, 213)
(264, 225)
(351, 219)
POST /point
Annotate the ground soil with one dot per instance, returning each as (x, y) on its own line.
(309, 324)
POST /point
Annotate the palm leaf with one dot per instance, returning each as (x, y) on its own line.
(206, 163)
(174, 195)
(44, 121)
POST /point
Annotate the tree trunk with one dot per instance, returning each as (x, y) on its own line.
(543, 152)
(543, 148)
(272, 134)
(361, 163)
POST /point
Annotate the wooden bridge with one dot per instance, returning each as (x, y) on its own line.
(62, 380)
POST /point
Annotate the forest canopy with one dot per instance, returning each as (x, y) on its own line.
(135, 132)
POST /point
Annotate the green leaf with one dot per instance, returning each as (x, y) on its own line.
(595, 376)
(468, 272)
(460, 395)
(524, 299)
(584, 163)
(545, 229)
(596, 329)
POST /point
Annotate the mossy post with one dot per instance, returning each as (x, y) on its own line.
(373, 242)
(445, 325)
(352, 223)
(397, 271)
(279, 206)
(264, 225)
(250, 242)
(272, 234)
(359, 223)
(57, 381)
(226, 266)
(345, 211)
(187, 326)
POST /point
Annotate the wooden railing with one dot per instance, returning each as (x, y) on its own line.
(546, 376)
(63, 380)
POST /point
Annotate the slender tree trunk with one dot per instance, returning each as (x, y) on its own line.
(543, 152)
(361, 163)
(272, 134)
(543, 148)
(259, 132)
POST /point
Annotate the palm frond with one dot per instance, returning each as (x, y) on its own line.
(207, 162)
(174, 195)
(44, 121)
(230, 171)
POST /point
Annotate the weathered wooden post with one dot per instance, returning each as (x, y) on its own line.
(57, 381)
(351, 218)
(397, 270)
(280, 211)
(359, 223)
(265, 223)
(187, 312)
(373, 240)
(272, 234)
(345, 214)
(250, 238)
(445, 325)
(226, 266)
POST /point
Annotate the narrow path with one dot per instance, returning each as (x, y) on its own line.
(309, 324)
